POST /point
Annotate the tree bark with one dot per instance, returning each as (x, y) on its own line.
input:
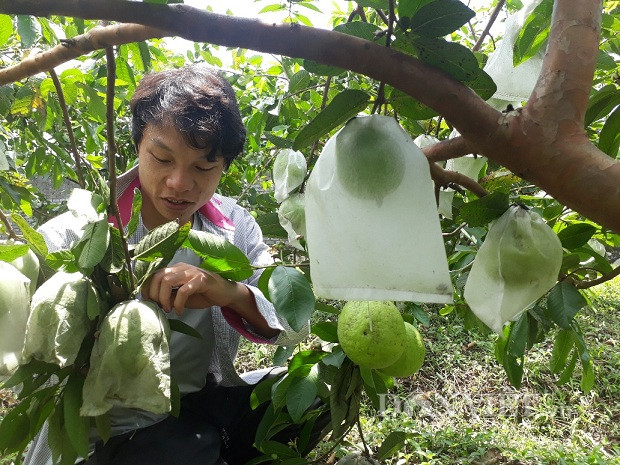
(544, 143)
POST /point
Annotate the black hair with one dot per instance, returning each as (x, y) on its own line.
(199, 102)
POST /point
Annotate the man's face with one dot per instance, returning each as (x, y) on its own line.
(176, 179)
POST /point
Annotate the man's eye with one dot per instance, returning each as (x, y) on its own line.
(204, 170)
(160, 160)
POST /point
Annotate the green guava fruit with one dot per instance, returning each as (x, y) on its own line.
(372, 334)
(412, 357)
(369, 164)
(58, 320)
(14, 309)
(130, 361)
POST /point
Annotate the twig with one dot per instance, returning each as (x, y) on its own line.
(9, 229)
(487, 28)
(449, 148)
(111, 66)
(595, 282)
(444, 177)
(65, 115)
(456, 231)
(359, 428)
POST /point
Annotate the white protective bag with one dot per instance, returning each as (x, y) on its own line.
(289, 171)
(372, 226)
(514, 84)
(516, 265)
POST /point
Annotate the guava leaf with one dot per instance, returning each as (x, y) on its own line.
(441, 17)
(326, 330)
(534, 33)
(34, 238)
(114, 258)
(392, 444)
(407, 106)
(481, 211)
(300, 395)
(601, 102)
(563, 303)
(562, 347)
(77, 426)
(378, 4)
(321, 69)
(6, 28)
(451, 57)
(219, 255)
(609, 137)
(270, 226)
(162, 242)
(360, 29)
(342, 108)
(95, 243)
(182, 327)
(482, 84)
(14, 428)
(514, 351)
(136, 207)
(587, 366)
(291, 296)
(407, 8)
(9, 252)
(576, 235)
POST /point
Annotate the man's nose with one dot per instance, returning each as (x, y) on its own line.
(179, 181)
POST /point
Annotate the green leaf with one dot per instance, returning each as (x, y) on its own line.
(175, 399)
(587, 366)
(322, 70)
(28, 29)
(182, 327)
(76, 425)
(6, 28)
(219, 255)
(450, 57)
(291, 296)
(483, 85)
(609, 138)
(342, 108)
(406, 105)
(534, 33)
(114, 259)
(96, 105)
(277, 450)
(407, 8)
(561, 350)
(326, 330)
(103, 425)
(282, 354)
(270, 226)
(601, 102)
(568, 371)
(304, 358)
(14, 428)
(514, 352)
(377, 4)
(481, 211)
(418, 313)
(441, 17)
(322, 307)
(576, 235)
(262, 392)
(95, 243)
(360, 29)
(145, 55)
(392, 444)
(136, 208)
(162, 242)
(9, 252)
(300, 395)
(33, 238)
(563, 303)
(299, 81)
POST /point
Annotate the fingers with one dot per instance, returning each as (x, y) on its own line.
(178, 287)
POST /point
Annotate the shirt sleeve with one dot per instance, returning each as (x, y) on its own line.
(249, 238)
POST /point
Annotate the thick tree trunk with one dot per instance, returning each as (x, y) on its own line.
(544, 142)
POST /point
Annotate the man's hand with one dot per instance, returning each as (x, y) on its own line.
(182, 286)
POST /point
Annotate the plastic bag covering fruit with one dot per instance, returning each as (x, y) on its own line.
(518, 262)
(14, 309)
(28, 265)
(372, 334)
(58, 318)
(289, 171)
(514, 84)
(412, 357)
(292, 216)
(364, 249)
(130, 361)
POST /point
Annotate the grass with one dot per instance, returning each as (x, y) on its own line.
(460, 408)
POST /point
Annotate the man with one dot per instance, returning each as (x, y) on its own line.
(187, 129)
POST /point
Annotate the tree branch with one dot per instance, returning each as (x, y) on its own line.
(444, 177)
(447, 149)
(65, 116)
(544, 144)
(487, 28)
(7, 226)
